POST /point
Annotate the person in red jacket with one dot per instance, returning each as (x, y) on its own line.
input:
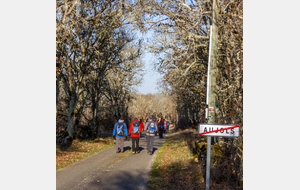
(134, 130)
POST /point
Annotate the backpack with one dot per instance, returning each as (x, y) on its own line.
(120, 129)
(136, 128)
(151, 127)
(162, 127)
(161, 124)
(168, 123)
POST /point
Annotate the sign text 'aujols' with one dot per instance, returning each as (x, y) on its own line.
(218, 130)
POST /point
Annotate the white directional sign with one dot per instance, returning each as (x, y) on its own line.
(218, 130)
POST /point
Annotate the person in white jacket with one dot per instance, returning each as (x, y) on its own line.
(150, 128)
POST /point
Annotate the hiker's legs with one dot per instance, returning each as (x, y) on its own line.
(148, 143)
(137, 144)
(122, 144)
(117, 143)
(133, 144)
(151, 141)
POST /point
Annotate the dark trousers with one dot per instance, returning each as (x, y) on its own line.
(160, 133)
(135, 144)
(150, 141)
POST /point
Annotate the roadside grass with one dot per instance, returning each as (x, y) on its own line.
(81, 149)
(174, 167)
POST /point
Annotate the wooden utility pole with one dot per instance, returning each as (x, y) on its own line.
(212, 82)
(213, 64)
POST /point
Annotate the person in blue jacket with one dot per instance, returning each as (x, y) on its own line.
(120, 132)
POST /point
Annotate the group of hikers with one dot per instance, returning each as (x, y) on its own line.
(121, 133)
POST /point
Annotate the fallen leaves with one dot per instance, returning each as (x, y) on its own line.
(173, 167)
(79, 150)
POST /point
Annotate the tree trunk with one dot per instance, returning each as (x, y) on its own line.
(213, 64)
(95, 111)
(71, 116)
(74, 110)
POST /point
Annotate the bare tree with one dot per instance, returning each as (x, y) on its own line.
(90, 36)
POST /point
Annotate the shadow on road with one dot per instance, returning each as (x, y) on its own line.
(126, 148)
(141, 148)
(154, 149)
(123, 180)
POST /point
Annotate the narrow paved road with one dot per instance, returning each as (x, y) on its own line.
(110, 170)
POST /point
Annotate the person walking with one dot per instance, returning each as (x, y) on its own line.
(119, 133)
(150, 128)
(156, 122)
(134, 130)
(161, 128)
(165, 126)
(147, 136)
(168, 125)
(142, 124)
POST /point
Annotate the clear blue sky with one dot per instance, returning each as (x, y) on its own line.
(151, 77)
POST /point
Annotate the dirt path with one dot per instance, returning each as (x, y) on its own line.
(109, 170)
